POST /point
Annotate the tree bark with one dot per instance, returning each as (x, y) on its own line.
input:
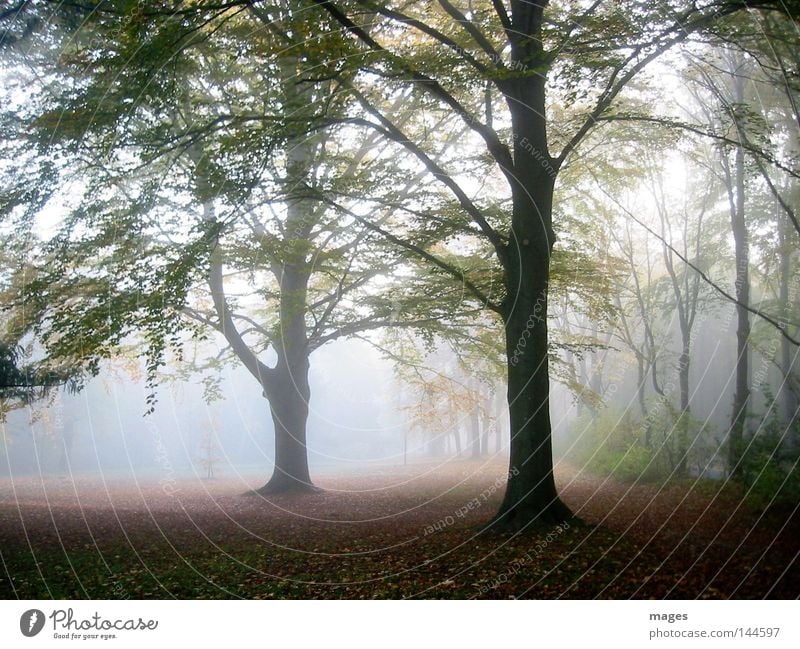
(531, 496)
(287, 388)
(789, 401)
(288, 400)
(286, 385)
(742, 254)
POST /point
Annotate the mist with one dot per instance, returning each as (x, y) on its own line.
(354, 423)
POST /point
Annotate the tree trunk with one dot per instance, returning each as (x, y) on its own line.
(457, 440)
(742, 253)
(685, 413)
(288, 393)
(287, 387)
(685, 304)
(486, 423)
(67, 439)
(789, 401)
(436, 445)
(475, 428)
(288, 399)
(583, 404)
(641, 380)
(531, 496)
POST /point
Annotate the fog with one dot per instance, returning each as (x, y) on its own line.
(354, 423)
(358, 417)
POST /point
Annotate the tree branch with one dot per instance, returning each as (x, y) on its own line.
(227, 326)
(420, 252)
(499, 151)
(393, 133)
(781, 327)
(619, 79)
(473, 31)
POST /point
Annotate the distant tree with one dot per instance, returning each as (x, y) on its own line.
(684, 227)
(208, 451)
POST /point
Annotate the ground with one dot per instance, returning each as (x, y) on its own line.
(404, 532)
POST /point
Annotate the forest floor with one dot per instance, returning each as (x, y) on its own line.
(403, 532)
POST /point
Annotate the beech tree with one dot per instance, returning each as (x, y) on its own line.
(584, 54)
(200, 215)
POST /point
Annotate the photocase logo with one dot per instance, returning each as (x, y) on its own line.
(31, 622)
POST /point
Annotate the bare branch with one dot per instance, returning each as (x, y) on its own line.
(781, 327)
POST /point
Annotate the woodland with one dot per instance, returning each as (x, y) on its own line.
(564, 233)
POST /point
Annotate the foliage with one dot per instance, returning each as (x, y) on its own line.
(165, 180)
(613, 445)
(28, 383)
(770, 461)
(617, 444)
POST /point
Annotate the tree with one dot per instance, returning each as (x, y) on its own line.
(780, 51)
(728, 92)
(686, 290)
(174, 217)
(772, 112)
(208, 450)
(559, 45)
